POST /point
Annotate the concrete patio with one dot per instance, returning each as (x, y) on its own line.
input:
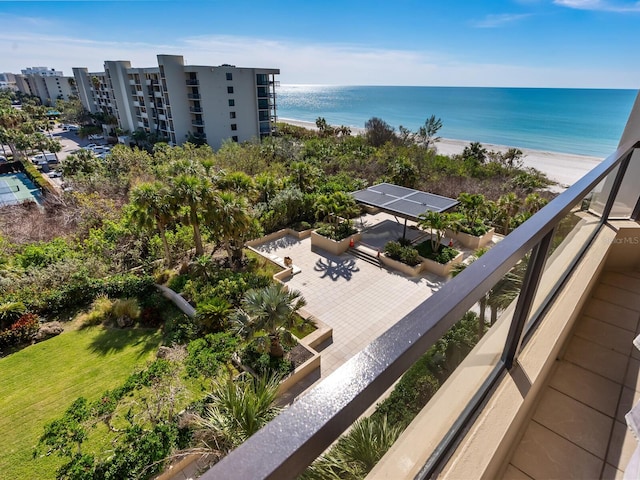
(357, 299)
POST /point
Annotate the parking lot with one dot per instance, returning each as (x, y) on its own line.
(71, 143)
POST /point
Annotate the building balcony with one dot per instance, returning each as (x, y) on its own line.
(195, 109)
(193, 96)
(197, 123)
(543, 392)
(192, 82)
(157, 94)
(136, 103)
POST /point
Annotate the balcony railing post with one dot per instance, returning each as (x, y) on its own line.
(525, 299)
(615, 188)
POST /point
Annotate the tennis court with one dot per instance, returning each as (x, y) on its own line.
(17, 188)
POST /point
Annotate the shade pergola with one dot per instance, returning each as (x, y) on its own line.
(403, 202)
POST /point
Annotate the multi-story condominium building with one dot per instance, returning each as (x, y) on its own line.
(8, 81)
(183, 102)
(42, 71)
(47, 84)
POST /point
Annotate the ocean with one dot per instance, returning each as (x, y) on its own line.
(579, 121)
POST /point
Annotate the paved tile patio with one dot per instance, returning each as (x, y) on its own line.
(358, 300)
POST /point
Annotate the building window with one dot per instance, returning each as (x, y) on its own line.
(229, 89)
(234, 126)
(234, 138)
(232, 114)
(229, 76)
(232, 102)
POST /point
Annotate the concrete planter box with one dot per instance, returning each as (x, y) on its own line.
(279, 234)
(301, 372)
(443, 270)
(400, 266)
(331, 246)
(471, 241)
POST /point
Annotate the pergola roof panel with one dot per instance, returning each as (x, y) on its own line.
(403, 201)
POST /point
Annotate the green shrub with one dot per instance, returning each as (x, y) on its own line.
(163, 276)
(445, 253)
(410, 256)
(20, 332)
(10, 312)
(43, 254)
(265, 364)
(213, 314)
(180, 329)
(207, 354)
(177, 282)
(393, 250)
(100, 311)
(127, 308)
(405, 254)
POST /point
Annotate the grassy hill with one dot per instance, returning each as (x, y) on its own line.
(37, 384)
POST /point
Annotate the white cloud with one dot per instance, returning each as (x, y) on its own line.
(600, 5)
(494, 21)
(302, 63)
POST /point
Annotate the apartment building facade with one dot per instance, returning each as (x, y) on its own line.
(47, 84)
(8, 81)
(181, 103)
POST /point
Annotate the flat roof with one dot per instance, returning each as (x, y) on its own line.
(402, 201)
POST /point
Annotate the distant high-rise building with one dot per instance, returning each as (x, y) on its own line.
(42, 71)
(47, 84)
(183, 102)
(8, 81)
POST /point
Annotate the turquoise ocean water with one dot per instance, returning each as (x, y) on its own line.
(580, 121)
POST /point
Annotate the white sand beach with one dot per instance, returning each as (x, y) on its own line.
(564, 168)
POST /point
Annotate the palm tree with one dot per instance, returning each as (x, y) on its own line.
(332, 207)
(508, 206)
(237, 410)
(534, 202)
(473, 206)
(357, 452)
(152, 210)
(265, 313)
(437, 223)
(427, 133)
(194, 193)
(213, 314)
(476, 152)
(233, 223)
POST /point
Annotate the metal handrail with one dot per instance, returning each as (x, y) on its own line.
(290, 442)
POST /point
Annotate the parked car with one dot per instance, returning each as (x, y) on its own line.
(54, 174)
(96, 137)
(46, 157)
(3, 158)
(91, 146)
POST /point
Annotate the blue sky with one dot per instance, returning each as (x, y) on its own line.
(530, 43)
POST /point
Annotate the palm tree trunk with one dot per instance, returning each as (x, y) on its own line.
(276, 347)
(494, 315)
(197, 237)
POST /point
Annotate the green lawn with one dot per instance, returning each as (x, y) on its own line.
(37, 384)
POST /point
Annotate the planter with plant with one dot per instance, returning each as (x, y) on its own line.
(439, 258)
(403, 258)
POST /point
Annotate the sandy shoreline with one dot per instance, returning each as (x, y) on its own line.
(564, 168)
